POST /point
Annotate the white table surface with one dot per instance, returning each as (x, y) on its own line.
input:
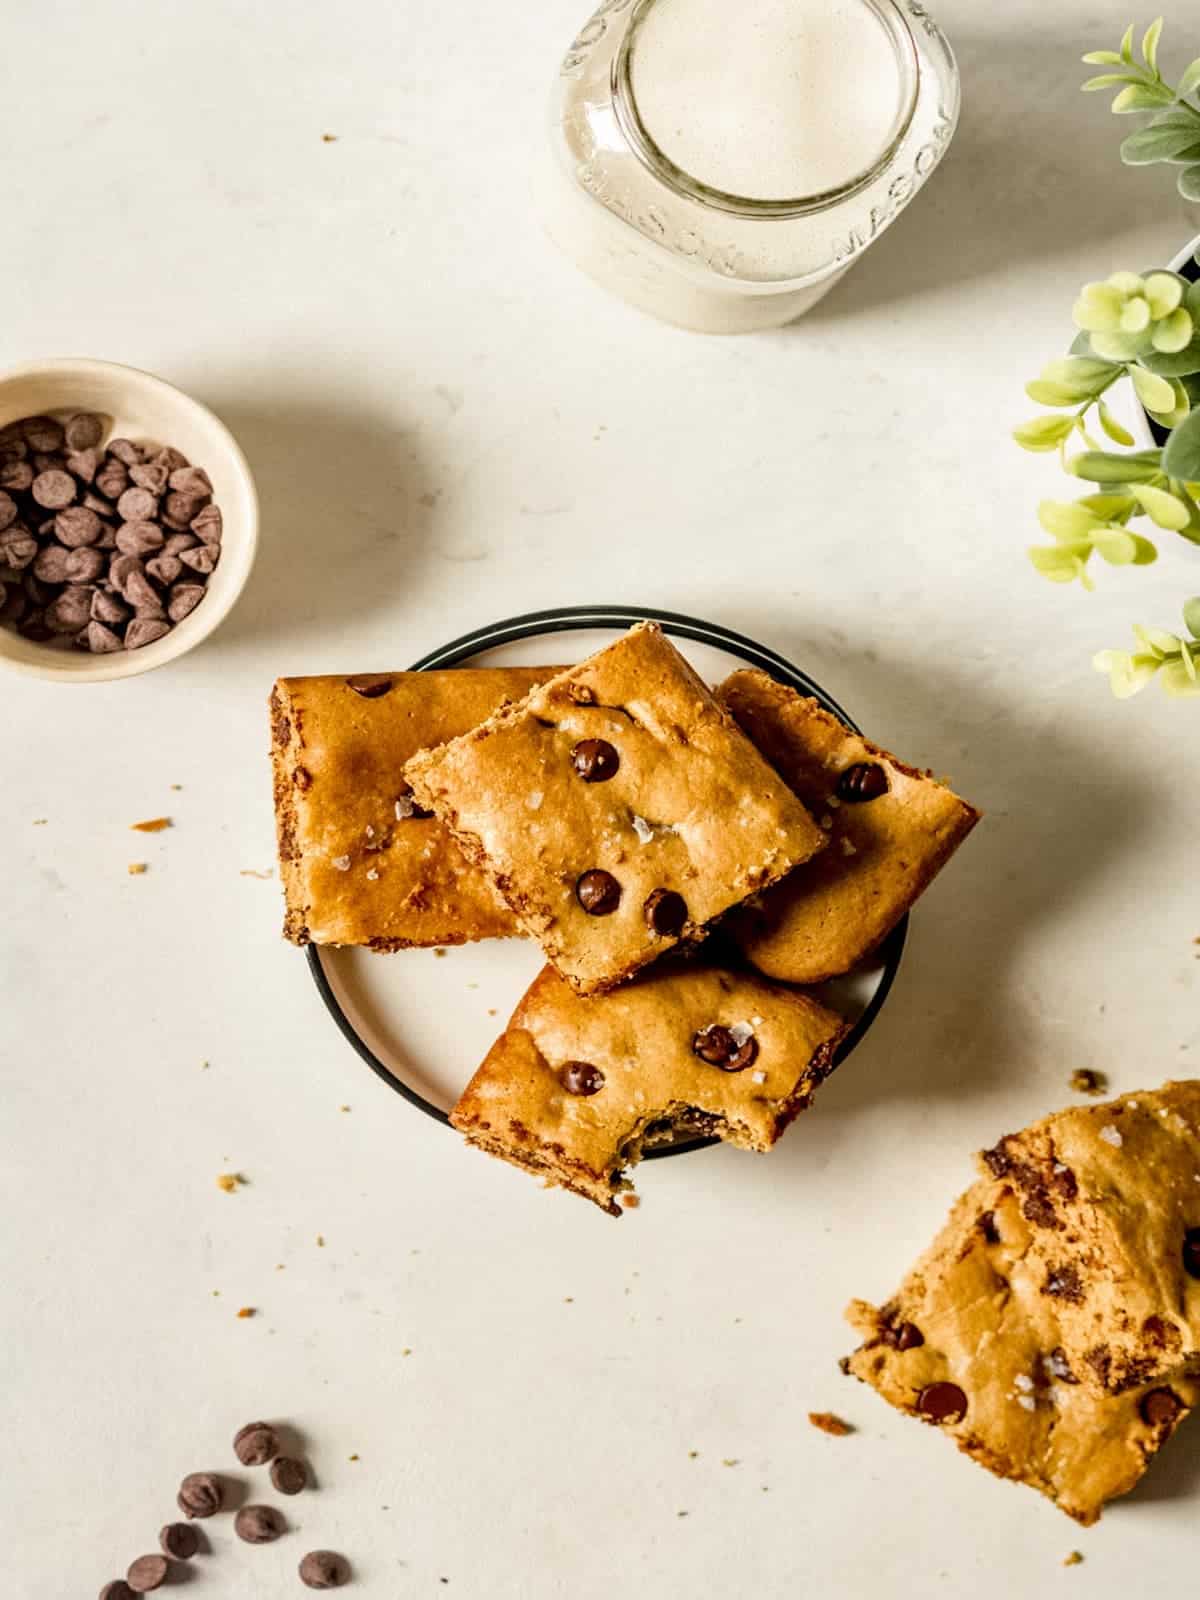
(449, 424)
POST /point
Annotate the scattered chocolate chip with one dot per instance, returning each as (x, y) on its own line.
(322, 1569)
(942, 1402)
(288, 1475)
(1160, 1407)
(83, 431)
(54, 490)
(718, 1046)
(582, 1078)
(595, 760)
(258, 1524)
(147, 1572)
(1059, 1367)
(370, 685)
(598, 892)
(1191, 1252)
(829, 1423)
(256, 1444)
(179, 1539)
(665, 912)
(1085, 1081)
(865, 780)
(118, 1589)
(200, 1495)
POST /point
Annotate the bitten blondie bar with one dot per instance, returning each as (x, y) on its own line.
(618, 809)
(575, 1089)
(361, 862)
(891, 830)
(982, 1341)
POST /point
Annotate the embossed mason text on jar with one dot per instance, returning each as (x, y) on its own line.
(721, 163)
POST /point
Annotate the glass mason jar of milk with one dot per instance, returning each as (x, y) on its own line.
(721, 163)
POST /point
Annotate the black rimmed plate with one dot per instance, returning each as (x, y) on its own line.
(423, 1020)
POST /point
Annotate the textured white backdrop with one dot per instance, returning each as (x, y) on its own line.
(449, 425)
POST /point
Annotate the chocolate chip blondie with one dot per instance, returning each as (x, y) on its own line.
(891, 830)
(576, 1089)
(362, 862)
(981, 1341)
(618, 810)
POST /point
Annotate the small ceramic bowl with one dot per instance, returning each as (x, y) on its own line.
(138, 406)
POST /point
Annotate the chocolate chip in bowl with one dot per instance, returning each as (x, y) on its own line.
(128, 521)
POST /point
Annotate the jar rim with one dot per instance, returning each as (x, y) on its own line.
(650, 153)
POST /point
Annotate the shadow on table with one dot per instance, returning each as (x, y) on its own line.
(1174, 1474)
(1059, 817)
(348, 509)
(1033, 171)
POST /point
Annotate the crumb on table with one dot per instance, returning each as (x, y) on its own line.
(229, 1181)
(250, 872)
(828, 1423)
(155, 825)
(1085, 1081)
(136, 868)
(248, 1311)
(1073, 1560)
(321, 1241)
(439, 952)
(631, 1201)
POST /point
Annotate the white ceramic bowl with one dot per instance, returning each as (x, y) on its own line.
(138, 406)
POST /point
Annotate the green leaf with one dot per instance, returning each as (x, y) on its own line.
(1163, 509)
(1191, 616)
(1082, 377)
(1044, 433)
(1173, 364)
(1181, 457)
(1190, 81)
(1150, 44)
(1060, 563)
(1126, 46)
(1109, 507)
(1116, 545)
(1116, 346)
(1142, 97)
(1068, 520)
(1146, 553)
(1172, 419)
(1157, 642)
(1112, 427)
(1154, 392)
(1052, 394)
(1126, 674)
(1178, 678)
(1188, 182)
(1101, 58)
(1158, 142)
(1174, 333)
(1104, 466)
(1106, 80)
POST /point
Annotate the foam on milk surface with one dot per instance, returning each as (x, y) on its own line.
(768, 99)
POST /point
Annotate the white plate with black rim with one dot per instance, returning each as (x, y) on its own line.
(423, 1020)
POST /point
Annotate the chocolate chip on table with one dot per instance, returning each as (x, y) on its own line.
(258, 1524)
(147, 1572)
(77, 526)
(54, 489)
(200, 1495)
(732, 1051)
(288, 1475)
(595, 760)
(865, 780)
(118, 1589)
(665, 912)
(942, 1402)
(84, 430)
(598, 892)
(256, 1444)
(323, 1569)
(179, 1540)
(582, 1078)
(1160, 1407)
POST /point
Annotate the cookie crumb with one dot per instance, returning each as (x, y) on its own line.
(353, 1457)
(693, 1455)
(155, 825)
(249, 872)
(407, 1350)
(204, 1066)
(828, 1423)
(229, 1181)
(491, 1011)
(1073, 1560)
(681, 1513)
(40, 822)
(329, 138)
(177, 787)
(439, 952)
(731, 1461)
(1085, 1081)
(631, 1201)
(136, 868)
(248, 1311)
(320, 1241)
(343, 1108)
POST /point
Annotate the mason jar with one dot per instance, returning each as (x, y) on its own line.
(722, 163)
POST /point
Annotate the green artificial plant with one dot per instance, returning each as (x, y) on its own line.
(1142, 329)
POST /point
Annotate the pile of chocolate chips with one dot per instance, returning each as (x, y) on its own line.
(101, 549)
(202, 1494)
